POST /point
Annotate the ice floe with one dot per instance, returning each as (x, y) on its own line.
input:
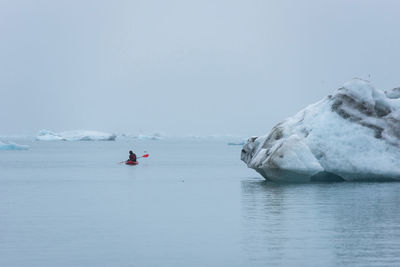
(353, 134)
(79, 135)
(12, 146)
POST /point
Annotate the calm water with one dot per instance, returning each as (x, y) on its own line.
(189, 204)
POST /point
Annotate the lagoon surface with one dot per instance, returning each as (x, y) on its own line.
(191, 203)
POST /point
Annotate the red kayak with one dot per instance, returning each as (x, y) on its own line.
(130, 162)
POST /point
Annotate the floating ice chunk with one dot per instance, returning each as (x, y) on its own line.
(12, 146)
(45, 135)
(155, 136)
(236, 143)
(353, 134)
(87, 136)
(80, 135)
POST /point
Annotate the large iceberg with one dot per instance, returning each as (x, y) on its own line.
(12, 146)
(353, 134)
(46, 135)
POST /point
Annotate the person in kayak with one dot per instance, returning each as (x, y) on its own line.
(132, 156)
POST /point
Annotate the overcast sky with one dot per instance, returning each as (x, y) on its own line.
(185, 67)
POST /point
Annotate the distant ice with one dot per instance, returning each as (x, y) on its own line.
(241, 143)
(154, 136)
(353, 134)
(228, 139)
(79, 135)
(12, 146)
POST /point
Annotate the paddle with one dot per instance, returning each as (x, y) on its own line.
(144, 156)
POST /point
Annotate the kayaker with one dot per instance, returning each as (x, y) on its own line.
(132, 156)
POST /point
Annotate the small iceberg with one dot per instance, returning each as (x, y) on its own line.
(12, 146)
(240, 143)
(351, 135)
(155, 136)
(80, 135)
(141, 137)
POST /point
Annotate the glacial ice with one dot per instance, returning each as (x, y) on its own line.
(79, 135)
(12, 146)
(353, 134)
(155, 136)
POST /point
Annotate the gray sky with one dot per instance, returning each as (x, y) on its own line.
(185, 67)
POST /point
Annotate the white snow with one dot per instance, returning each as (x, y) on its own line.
(393, 93)
(352, 135)
(12, 146)
(79, 135)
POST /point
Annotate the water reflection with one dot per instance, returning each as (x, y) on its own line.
(323, 224)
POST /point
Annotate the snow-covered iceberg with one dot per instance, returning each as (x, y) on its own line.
(353, 134)
(46, 135)
(12, 146)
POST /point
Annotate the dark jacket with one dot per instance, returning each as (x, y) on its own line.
(132, 157)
